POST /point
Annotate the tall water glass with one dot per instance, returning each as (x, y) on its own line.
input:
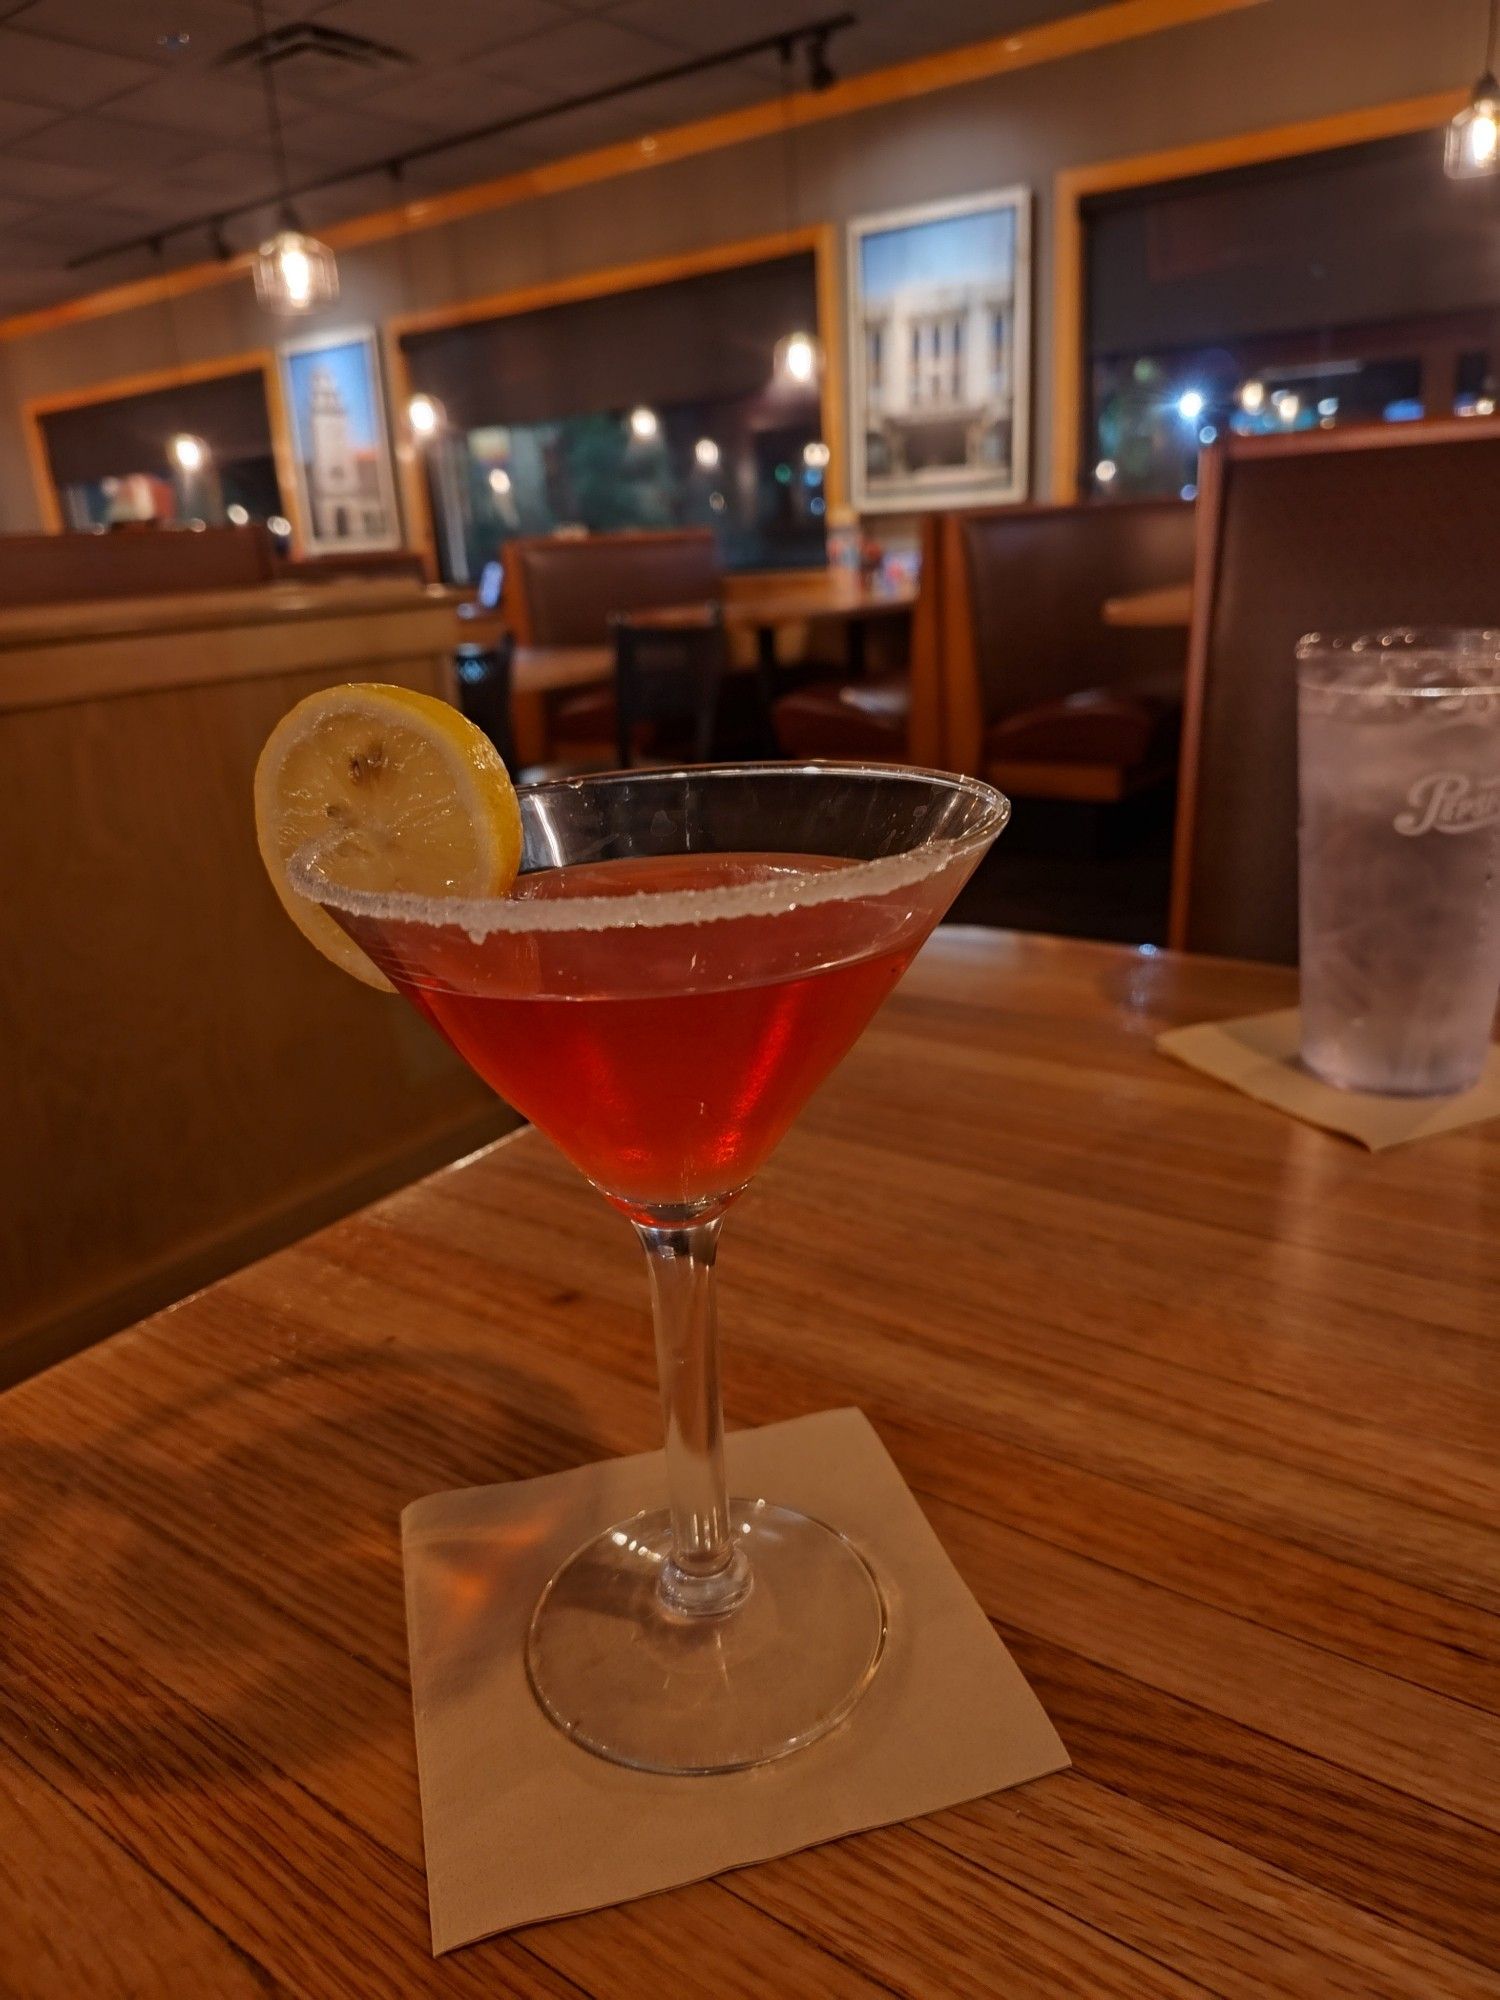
(1399, 766)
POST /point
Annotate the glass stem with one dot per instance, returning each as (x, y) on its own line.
(706, 1573)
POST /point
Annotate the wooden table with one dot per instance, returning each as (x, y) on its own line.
(826, 597)
(1169, 607)
(820, 597)
(1202, 1401)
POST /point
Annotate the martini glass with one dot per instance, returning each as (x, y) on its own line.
(682, 960)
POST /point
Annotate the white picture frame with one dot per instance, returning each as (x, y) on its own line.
(938, 325)
(341, 449)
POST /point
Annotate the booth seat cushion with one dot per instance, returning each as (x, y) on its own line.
(858, 718)
(1100, 744)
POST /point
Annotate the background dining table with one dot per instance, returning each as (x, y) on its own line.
(1167, 608)
(1203, 1403)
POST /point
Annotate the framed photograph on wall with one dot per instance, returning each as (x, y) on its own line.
(336, 411)
(939, 322)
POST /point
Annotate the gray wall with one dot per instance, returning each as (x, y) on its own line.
(1274, 63)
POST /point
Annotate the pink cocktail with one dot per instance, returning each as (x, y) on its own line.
(684, 959)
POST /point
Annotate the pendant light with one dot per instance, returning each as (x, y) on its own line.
(797, 362)
(293, 273)
(1473, 147)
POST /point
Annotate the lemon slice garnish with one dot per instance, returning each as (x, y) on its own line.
(401, 793)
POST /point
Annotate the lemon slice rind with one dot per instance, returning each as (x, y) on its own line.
(404, 792)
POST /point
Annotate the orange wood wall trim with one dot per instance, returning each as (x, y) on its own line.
(147, 380)
(1240, 149)
(1077, 34)
(607, 279)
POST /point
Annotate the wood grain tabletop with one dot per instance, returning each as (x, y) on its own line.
(1203, 1403)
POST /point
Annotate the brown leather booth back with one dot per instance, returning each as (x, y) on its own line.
(1037, 578)
(131, 562)
(560, 591)
(1334, 531)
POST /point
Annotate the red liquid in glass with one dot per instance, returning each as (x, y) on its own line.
(666, 1060)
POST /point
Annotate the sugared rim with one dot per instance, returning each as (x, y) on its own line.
(480, 916)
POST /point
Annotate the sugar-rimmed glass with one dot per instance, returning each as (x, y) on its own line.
(684, 958)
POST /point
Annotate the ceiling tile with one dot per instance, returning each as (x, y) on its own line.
(581, 56)
(34, 180)
(443, 30)
(712, 24)
(337, 136)
(12, 211)
(450, 100)
(38, 70)
(18, 118)
(76, 226)
(219, 175)
(105, 141)
(209, 106)
(136, 27)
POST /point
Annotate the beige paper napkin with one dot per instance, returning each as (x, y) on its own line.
(1258, 1055)
(520, 1824)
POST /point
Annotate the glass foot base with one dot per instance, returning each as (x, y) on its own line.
(633, 1680)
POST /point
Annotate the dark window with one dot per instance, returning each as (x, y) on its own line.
(1353, 286)
(111, 464)
(540, 434)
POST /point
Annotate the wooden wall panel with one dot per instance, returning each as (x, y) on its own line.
(185, 1082)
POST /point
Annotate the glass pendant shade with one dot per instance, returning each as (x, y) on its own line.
(1473, 147)
(295, 273)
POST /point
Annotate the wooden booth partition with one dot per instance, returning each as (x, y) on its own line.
(186, 1083)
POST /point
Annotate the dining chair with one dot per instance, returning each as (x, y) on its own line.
(892, 715)
(1331, 531)
(564, 590)
(668, 682)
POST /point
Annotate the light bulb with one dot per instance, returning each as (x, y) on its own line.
(1252, 397)
(644, 423)
(706, 452)
(499, 480)
(189, 453)
(1105, 471)
(816, 454)
(797, 358)
(1288, 406)
(238, 516)
(1190, 405)
(295, 273)
(1473, 144)
(425, 415)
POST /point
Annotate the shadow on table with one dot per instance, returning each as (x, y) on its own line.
(155, 1636)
